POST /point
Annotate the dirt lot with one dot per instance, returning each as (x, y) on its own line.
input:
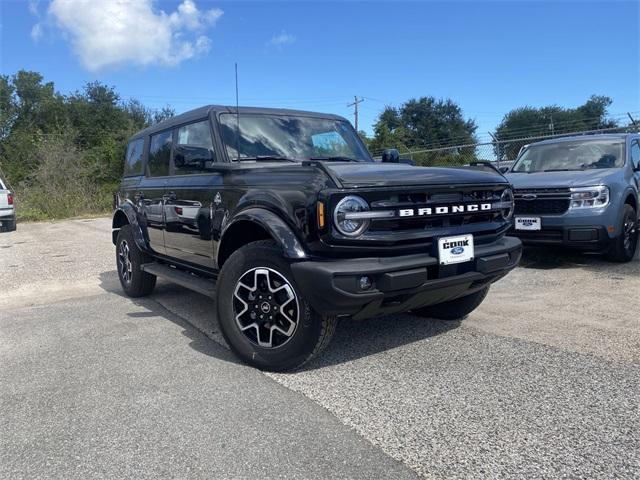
(541, 382)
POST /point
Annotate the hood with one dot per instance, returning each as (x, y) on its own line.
(580, 178)
(401, 174)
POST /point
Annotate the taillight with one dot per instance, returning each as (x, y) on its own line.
(10, 198)
(178, 210)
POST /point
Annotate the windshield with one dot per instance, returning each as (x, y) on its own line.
(571, 156)
(292, 137)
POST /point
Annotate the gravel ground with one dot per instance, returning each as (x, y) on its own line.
(542, 381)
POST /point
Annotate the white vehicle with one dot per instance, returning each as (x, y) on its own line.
(7, 209)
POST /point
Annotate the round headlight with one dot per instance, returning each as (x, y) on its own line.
(350, 227)
(506, 199)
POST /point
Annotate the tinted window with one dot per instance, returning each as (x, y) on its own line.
(635, 154)
(290, 136)
(570, 156)
(194, 149)
(159, 154)
(133, 159)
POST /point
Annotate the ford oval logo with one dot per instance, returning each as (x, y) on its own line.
(457, 250)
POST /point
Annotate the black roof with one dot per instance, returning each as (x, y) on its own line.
(205, 111)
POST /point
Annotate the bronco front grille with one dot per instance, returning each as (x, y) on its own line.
(542, 201)
(411, 216)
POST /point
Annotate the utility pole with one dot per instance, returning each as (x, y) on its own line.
(355, 103)
(551, 126)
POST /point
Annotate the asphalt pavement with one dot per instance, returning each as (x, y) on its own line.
(542, 381)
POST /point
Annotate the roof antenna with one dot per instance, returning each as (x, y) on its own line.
(237, 118)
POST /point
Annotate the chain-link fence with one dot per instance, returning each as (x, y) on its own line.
(501, 151)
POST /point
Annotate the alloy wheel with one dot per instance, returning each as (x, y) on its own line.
(629, 232)
(265, 307)
(124, 262)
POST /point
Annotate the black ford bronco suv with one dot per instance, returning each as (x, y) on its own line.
(285, 219)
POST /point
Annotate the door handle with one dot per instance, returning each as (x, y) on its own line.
(169, 196)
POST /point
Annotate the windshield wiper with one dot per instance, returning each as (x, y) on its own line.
(267, 158)
(335, 159)
(562, 170)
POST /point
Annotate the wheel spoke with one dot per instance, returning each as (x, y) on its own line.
(265, 307)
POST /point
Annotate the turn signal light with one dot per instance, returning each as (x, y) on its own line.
(321, 220)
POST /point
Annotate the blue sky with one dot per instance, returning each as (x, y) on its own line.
(489, 57)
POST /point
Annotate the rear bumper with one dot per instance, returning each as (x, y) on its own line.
(7, 213)
(585, 237)
(400, 283)
(7, 220)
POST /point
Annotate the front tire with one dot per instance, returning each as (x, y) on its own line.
(129, 260)
(455, 309)
(261, 313)
(623, 248)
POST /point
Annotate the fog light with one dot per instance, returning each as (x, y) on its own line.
(365, 283)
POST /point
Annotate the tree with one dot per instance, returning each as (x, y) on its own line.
(425, 123)
(38, 124)
(525, 122)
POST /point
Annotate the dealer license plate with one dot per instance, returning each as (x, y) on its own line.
(455, 249)
(528, 223)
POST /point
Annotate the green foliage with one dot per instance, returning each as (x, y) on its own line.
(64, 154)
(420, 123)
(532, 122)
(424, 123)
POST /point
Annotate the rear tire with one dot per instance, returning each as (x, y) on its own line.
(455, 309)
(262, 316)
(624, 246)
(129, 260)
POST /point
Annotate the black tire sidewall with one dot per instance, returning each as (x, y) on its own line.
(301, 345)
(618, 253)
(140, 281)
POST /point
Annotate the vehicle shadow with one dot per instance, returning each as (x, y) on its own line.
(195, 314)
(202, 337)
(551, 258)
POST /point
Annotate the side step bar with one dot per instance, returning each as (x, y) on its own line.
(201, 285)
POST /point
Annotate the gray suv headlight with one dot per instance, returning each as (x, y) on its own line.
(589, 197)
(348, 218)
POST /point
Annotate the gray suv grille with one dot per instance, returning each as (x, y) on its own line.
(542, 201)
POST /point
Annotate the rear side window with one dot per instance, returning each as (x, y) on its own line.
(133, 158)
(193, 152)
(635, 154)
(159, 154)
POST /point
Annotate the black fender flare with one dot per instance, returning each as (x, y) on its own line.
(130, 213)
(273, 224)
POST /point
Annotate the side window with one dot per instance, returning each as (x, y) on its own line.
(133, 158)
(194, 149)
(635, 154)
(159, 154)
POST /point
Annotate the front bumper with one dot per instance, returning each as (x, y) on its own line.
(400, 283)
(586, 237)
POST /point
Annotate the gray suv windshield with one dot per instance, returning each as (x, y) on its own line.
(256, 136)
(573, 155)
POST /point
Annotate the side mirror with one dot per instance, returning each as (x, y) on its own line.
(391, 155)
(503, 169)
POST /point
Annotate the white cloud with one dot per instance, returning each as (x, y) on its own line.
(36, 32)
(114, 33)
(281, 40)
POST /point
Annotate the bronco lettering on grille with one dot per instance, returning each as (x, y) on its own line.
(444, 210)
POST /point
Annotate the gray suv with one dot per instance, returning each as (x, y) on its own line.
(580, 192)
